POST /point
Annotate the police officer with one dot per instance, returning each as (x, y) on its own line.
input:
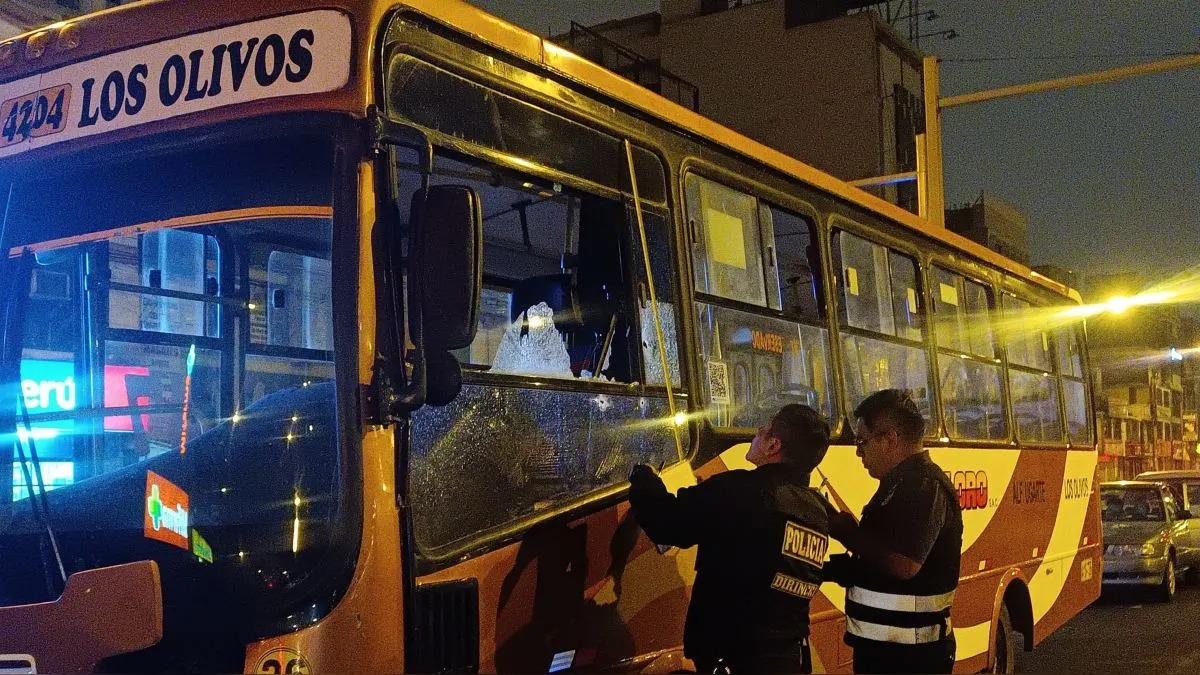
(901, 577)
(762, 537)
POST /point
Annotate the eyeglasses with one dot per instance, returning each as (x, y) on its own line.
(860, 442)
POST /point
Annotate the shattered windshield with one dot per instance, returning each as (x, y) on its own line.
(168, 372)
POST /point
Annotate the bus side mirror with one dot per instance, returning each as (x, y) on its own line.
(445, 266)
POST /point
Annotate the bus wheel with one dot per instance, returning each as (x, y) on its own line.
(1002, 662)
(1166, 590)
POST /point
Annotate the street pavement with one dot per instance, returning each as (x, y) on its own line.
(1125, 633)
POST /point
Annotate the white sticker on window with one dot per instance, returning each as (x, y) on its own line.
(852, 281)
(718, 382)
(948, 294)
(912, 300)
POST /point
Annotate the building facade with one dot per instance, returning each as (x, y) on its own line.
(1148, 371)
(994, 223)
(842, 94)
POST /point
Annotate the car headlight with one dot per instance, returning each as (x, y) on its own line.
(1149, 550)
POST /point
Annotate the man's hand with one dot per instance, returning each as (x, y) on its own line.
(842, 527)
(645, 485)
(641, 475)
(841, 569)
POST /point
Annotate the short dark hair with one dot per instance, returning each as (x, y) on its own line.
(895, 407)
(803, 435)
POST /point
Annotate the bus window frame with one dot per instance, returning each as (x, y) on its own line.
(1026, 292)
(770, 197)
(876, 234)
(431, 559)
(979, 275)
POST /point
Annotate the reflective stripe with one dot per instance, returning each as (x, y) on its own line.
(900, 603)
(904, 636)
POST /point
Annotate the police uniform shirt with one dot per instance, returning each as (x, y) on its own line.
(914, 513)
(909, 511)
(762, 537)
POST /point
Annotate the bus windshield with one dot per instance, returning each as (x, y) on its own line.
(170, 336)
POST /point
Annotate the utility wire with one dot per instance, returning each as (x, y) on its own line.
(1070, 57)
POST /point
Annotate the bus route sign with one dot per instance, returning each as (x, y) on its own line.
(303, 53)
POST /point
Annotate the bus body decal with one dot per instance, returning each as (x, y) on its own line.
(303, 53)
(1044, 586)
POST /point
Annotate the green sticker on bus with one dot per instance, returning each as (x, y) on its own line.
(200, 547)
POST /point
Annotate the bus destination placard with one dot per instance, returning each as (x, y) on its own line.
(305, 53)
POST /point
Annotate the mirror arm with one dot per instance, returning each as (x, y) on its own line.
(412, 396)
(384, 132)
(396, 403)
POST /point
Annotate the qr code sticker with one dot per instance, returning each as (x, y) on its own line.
(718, 382)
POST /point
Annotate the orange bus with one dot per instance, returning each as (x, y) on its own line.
(329, 333)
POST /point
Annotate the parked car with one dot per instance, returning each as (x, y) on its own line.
(1184, 484)
(1148, 538)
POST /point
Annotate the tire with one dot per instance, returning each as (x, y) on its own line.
(1166, 589)
(1004, 652)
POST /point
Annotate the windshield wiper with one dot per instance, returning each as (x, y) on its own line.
(20, 271)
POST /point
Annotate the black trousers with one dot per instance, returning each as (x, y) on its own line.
(888, 657)
(791, 659)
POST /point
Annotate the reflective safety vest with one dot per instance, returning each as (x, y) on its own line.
(898, 618)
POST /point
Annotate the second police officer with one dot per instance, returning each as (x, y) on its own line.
(904, 566)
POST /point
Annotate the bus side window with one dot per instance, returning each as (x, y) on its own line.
(970, 380)
(798, 262)
(1034, 390)
(754, 360)
(291, 322)
(170, 260)
(1070, 369)
(566, 316)
(729, 259)
(880, 298)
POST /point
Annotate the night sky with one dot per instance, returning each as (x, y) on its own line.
(1108, 174)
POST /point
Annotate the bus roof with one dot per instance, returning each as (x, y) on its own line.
(152, 21)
